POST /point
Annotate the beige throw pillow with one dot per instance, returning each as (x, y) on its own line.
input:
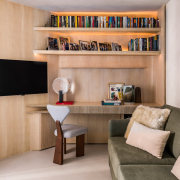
(151, 117)
(176, 168)
(147, 139)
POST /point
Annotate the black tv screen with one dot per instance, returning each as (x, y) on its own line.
(22, 77)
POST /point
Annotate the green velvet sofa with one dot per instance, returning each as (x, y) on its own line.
(130, 163)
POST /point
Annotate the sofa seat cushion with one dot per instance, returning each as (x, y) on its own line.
(145, 172)
(121, 153)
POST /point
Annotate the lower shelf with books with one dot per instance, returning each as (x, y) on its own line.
(97, 53)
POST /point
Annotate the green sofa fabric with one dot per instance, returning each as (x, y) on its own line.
(121, 153)
(173, 125)
(145, 172)
(130, 163)
(118, 127)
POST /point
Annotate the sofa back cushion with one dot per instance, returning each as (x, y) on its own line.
(173, 125)
(151, 117)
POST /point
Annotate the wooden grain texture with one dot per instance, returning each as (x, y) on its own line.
(47, 131)
(91, 85)
(53, 70)
(17, 35)
(106, 30)
(80, 145)
(59, 154)
(159, 65)
(97, 126)
(41, 127)
(35, 131)
(97, 53)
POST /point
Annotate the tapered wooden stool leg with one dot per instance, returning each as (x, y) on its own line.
(64, 145)
(58, 154)
(80, 145)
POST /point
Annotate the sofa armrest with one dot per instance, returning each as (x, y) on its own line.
(118, 127)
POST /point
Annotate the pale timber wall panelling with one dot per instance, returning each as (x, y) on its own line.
(91, 85)
(97, 126)
(159, 64)
(17, 36)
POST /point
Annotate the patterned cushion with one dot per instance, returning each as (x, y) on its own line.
(151, 117)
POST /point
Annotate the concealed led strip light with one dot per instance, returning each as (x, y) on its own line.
(130, 14)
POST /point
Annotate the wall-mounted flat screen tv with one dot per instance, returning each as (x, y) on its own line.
(19, 77)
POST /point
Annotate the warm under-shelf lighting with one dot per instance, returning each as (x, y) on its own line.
(102, 33)
(131, 13)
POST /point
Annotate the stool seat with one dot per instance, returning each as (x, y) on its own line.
(71, 130)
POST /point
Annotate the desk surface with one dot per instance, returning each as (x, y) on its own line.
(93, 108)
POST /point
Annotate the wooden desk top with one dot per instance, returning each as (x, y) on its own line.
(93, 108)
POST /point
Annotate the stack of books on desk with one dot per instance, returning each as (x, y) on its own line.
(111, 102)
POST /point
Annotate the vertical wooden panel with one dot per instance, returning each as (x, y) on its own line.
(17, 37)
(159, 66)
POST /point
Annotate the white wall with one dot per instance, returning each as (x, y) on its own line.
(173, 53)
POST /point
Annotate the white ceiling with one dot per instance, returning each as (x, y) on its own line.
(93, 5)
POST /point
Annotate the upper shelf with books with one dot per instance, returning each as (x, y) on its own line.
(99, 30)
(107, 21)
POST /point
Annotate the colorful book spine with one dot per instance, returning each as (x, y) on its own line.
(144, 44)
(104, 22)
(66, 21)
(111, 103)
(99, 21)
(76, 21)
(57, 21)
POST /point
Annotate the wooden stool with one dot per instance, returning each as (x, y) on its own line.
(59, 113)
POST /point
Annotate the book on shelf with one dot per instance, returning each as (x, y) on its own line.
(144, 44)
(111, 102)
(103, 22)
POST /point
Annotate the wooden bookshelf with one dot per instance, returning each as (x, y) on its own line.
(97, 53)
(93, 70)
(99, 30)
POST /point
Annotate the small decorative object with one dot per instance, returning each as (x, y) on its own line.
(94, 46)
(116, 47)
(61, 86)
(138, 95)
(60, 96)
(103, 47)
(120, 93)
(114, 90)
(52, 44)
(64, 43)
(129, 93)
(74, 47)
(84, 45)
(109, 47)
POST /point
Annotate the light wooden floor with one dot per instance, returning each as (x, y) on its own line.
(37, 165)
